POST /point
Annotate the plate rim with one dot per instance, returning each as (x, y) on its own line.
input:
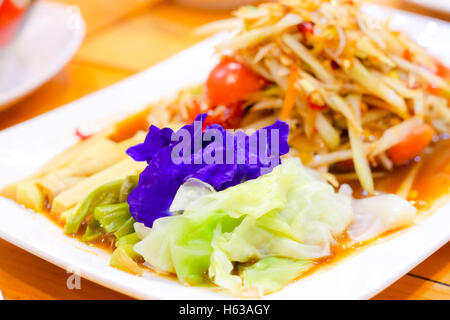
(431, 5)
(116, 285)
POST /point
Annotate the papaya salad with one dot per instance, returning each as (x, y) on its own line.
(354, 118)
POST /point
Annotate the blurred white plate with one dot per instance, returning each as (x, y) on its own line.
(438, 5)
(29, 145)
(50, 36)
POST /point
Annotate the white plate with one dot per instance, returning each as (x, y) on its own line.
(438, 5)
(51, 35)
(27, 146)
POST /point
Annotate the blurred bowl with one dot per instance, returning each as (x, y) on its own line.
(12, 16)
(215, 4)
(48, 40)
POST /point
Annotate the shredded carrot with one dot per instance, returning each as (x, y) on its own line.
(289, 99)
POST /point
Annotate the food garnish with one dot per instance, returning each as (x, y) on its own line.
(162, 178)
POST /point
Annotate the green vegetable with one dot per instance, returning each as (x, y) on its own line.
(108, 213)
(191, 247)
(126, 228)
(362, 167)
(128, 185)
(272, 90)
(375, 86)
(288, 213)
(112, 216)
(255, 36)
(327, 132)
(303, 53)
(93, 231)
(121, 260)
(273, 273)
(106, 194)
(127, 243)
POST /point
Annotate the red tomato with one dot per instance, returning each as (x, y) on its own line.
(11, 15)
(228, 117)
(231, 81)
(407, 55)
(412, 145)
(443, 72)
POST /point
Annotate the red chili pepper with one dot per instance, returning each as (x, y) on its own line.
(315, 106)
(81, 135)
(306, 28)
(334, 65)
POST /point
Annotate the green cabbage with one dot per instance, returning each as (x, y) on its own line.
(288, 215)
(112, 216)
(105, 194)
(273, 273)
(127, 243)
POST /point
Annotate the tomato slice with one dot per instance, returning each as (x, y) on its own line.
(231, 81)
(412, 145)
(444, 72)
(11, 15)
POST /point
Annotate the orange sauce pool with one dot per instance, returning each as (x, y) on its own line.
(105, 243)
(432, 180)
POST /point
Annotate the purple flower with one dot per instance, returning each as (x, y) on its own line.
(241, 157)
(155, 140)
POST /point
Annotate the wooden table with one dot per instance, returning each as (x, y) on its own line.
(123, 39)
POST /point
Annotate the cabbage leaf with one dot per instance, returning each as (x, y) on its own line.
(288, 215)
